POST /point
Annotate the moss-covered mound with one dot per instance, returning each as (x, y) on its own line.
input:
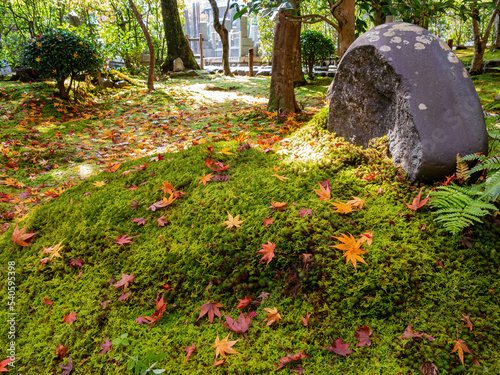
(414, 274)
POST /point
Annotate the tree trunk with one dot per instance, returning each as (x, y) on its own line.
(346, 19)
(286, 57)
(496, 43)
(151, 73)
(378, 17)
(62, 89)
(481, 41)
(224, 35)
(177, 43)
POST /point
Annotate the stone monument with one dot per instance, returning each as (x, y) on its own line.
(400, 80)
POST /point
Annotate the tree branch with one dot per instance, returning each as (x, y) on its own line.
(313, 18)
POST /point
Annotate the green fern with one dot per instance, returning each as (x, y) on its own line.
(461, 206)
(458, 207)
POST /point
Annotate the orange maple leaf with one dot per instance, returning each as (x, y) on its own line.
(70, 318)
(367, 237)
(205, 178)
(352, 249)
(113, 168)
(21, 238)
(324, 192)
(268, 251)
(417, 203)
(278, 206)
(167, 188)
(272, 316)
(342, 208)
(281, 178)
(357, 203)
(224, 346)
(460, 348)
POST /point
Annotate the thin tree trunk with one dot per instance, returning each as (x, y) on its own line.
(345, 15)
(62, 89)
(224, 35)
(496, 44)
(481, 41)
(286, 56)
(151, 73)
(177, 43)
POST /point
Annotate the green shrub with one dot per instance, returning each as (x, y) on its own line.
(60, 54)
(315, 47)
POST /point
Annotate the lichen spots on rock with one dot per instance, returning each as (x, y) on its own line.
(423, 39)
(419, 46)
(385, 48)
(452, 58)
(465, 74)
(396, 39)
(422, 107)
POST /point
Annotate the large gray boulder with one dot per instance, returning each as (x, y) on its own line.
(399, 79)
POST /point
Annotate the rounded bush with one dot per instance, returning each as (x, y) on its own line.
(60, 54)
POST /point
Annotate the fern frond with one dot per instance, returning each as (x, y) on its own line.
(462, 172)
(492, 186)
(492, 163)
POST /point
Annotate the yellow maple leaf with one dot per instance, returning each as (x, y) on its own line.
(205, 178)
(342, 208)
(272, 316)
(225, 151)
(224, 346)
(233, 221)
(37, 59)
(54, 251)
(99, 183)
(281, 178)
(357, 202)
(352, 249)
(367, 237)
(324, 193)
(276, 169)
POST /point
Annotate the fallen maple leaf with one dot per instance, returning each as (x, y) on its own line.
(225, 151)
(367, 237)
(99, 183)
(232, 222)
(4, 363)
(139, 220)
(352, 249)
(343, 208)
(324, 192)
(363, 336)
(124, 296)
(54, 251)
(278, 206)
(289, 359)
(305, 212)
(189, 350)
(410, 334)
(468, 323)
(106, 346)
(224, 346)
(281, 178)
(305, 320)
(125, 239)
(338, 348)
(21, 238)
(167, 188)
(113, 168)
(47, 301)
(417, 203)
(238, 327)
(460, 348)
(268, 221)
(212, 308)
(61, 351)
(268, 251)
(218, 363)
(205, 178)
(272, 316)
(244, 302)
(125, 280)
(70, 318)
(161, 221)
(357, 202)
(76, 262)
(67, 368)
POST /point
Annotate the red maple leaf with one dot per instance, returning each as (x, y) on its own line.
(244, 302)
(289, 359)
(61, 351)
(106, 345)
(339, 348)
(238, 327)
(161, 221)
(76, 262)
(305, 212)
(417, 203)
(4, 363)
(268, 251)
(363, 336)
(139, 220)
(189, 350)
(125, 280)
(212, 308)
(268, 221)
(21, 238)
(67, 368)
(47, 301)
(125, 239)
(70, 318)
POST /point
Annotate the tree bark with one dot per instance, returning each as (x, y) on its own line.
(224, 35)
(177, 43)
(480, 41)
(63, 93)
(286, 57)
(345, 15)
(151, 73)
(496, 44)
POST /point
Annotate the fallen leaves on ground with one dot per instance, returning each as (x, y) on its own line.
(267, 251)
(106, 346)
(460, 348)
(210, 308)
(338, 348)
(125, 281)
(70, 318)
(323, 192)
(123, 240)
(342, 208)
(352, 249)
(417, 203)
(224, 346)
(289, 359)
(241, 326)
(189, 351)
(21, 238)
(272, 316)
(233, 221)
(363, 336)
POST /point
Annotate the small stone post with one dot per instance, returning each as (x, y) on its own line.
(250, 62)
